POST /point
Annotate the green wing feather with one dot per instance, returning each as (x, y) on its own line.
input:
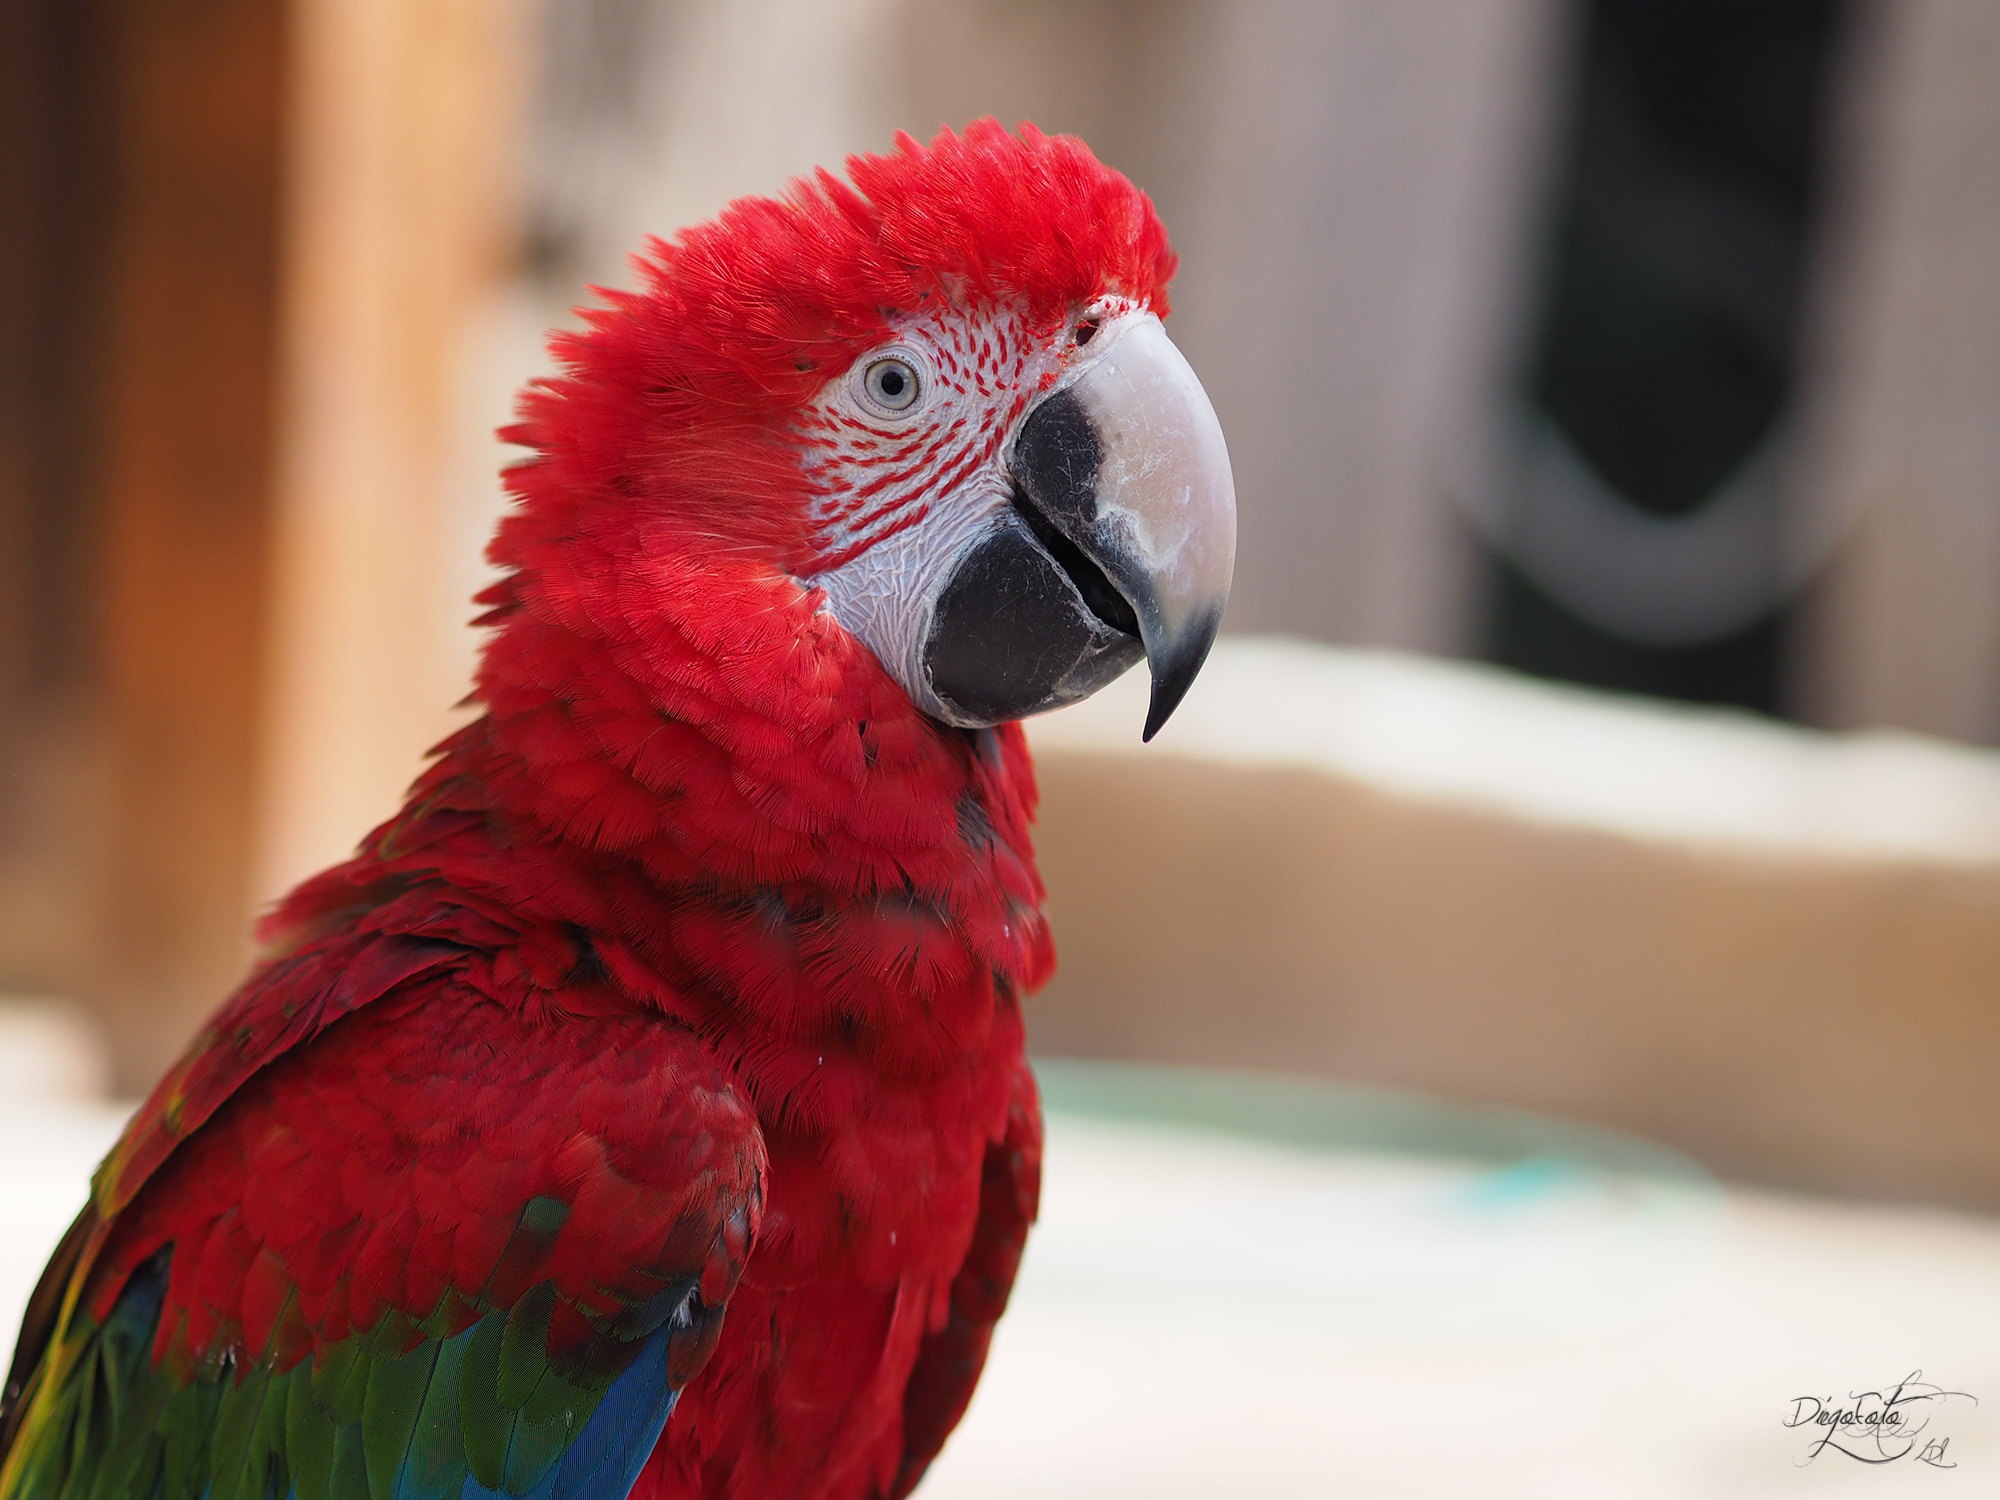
(355, 1421)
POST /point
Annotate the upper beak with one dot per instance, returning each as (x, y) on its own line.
(1126, 462)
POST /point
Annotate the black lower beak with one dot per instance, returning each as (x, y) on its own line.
(1014, 634)
(1119, 545)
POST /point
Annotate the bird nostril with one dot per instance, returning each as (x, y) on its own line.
(1085, 332)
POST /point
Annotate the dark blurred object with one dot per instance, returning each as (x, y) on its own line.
(55, 222)
(1667, 350)
(139, 225)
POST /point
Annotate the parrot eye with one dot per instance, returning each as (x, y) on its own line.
(891, 384)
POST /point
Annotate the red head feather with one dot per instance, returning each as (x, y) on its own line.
(685, 392)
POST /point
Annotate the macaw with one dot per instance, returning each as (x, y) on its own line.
(643, 1108)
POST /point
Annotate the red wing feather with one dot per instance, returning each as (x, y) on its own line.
(949, 1361)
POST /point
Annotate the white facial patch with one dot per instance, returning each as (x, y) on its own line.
(900, 492)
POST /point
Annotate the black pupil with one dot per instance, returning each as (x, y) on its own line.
(891, 381)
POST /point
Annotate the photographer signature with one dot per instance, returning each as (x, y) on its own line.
(1879, 1427)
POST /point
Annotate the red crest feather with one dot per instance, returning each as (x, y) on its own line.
(684, 391)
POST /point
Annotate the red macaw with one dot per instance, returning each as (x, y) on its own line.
(643, 1108)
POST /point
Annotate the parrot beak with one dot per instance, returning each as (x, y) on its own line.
(1121, 542)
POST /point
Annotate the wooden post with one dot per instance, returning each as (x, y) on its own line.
(243, 241)
(403, 129)
(56, 204)
(192, 306)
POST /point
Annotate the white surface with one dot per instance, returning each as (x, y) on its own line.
(1457, 731)
(49, 1050)
(47, 1153)
(1206, 1316)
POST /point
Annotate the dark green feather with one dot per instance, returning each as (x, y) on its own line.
(524, 1345)
(357, 1420)
(483, 1422)
(340, 1379)
(348, 1478)
(437, 1452)
(396, 1387)
(309, 1435)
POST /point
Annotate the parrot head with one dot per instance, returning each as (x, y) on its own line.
(938, 399)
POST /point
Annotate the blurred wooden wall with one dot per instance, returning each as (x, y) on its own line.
(55, 210)
(147, 152)
(238, 240)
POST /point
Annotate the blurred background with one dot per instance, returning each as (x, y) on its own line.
(1614, 394)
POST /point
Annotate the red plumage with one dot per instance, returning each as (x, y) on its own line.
(701, 912)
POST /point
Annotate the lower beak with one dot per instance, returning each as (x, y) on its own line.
(1122, 540)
